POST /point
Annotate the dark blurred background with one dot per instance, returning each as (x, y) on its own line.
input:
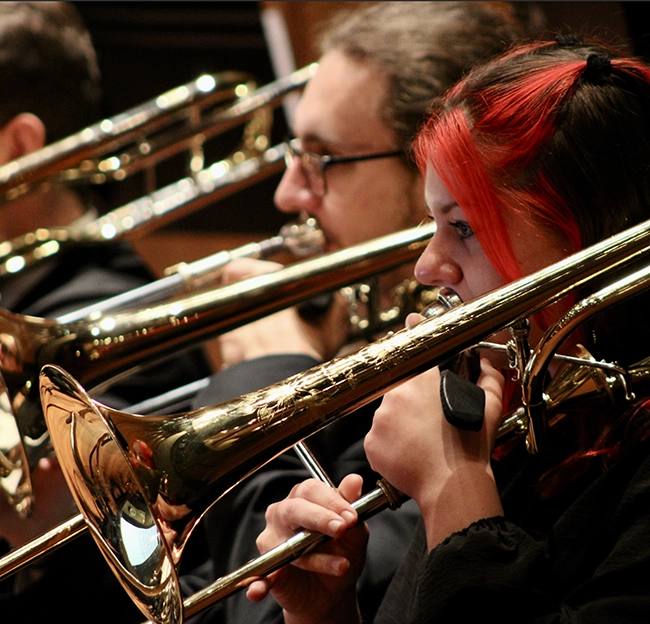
(146, 48)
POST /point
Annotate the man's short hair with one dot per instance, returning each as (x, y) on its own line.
(48, 67)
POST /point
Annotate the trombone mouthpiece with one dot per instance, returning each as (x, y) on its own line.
(446, 299)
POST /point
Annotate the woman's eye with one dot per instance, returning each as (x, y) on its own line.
(463, 228)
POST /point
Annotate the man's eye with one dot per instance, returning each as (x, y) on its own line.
(463, 228)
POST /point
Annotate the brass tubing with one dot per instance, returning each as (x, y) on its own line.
(101, 349)
(142, 215)
(166, 471)
(367, 506)
(299, 238)
(111, 134)
(25, 555)
(98, 349)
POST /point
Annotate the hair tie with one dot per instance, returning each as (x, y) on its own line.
(568, 41)
(597, 68)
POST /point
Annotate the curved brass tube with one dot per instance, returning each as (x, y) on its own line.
(148, 481)
(144, 214)
(74, 158)
(251, 161)
(103, 347)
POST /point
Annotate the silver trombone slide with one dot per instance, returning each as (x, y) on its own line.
(301, 238)
(382, 497)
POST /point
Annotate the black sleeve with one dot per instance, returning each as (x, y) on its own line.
(251, 375)
(590, 565)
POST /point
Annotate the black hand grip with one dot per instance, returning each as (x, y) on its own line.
(316, 307)
(463, 403)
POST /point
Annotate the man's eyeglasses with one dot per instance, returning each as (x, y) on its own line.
(314, 165)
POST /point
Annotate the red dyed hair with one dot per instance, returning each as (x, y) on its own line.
(540, 135)
(482, 145)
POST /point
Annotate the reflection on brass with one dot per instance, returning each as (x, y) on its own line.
(103, 346)
(178, 465)
(179, 120)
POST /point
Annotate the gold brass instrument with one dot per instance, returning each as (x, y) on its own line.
(143, 484)
(437, 301)
(144, 214)
(250, 162)
(87, 156)
(104, 347)
(79, 157)
(581, 382)
(299, 238)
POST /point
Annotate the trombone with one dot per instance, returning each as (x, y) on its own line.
(148, 481)
(104, 347)
(87, 156)
(300, 238)
(144, 214)
(250, 162)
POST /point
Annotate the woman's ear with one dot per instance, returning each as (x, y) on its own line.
(23, 134)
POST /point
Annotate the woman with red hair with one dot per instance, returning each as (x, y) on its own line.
(528, 159)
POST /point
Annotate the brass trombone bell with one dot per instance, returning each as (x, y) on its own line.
(143, 484)
(439, 301)
(101, 348)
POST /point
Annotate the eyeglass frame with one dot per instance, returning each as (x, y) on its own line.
(317, 164)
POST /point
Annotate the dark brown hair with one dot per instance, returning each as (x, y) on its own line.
(48, 67)
(423, 47)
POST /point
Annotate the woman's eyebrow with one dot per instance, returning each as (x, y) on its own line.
(447, 208)
(444, 210)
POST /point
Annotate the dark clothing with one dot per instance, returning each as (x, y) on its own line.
(86, 274)
(233, 523)
(75, 584)
(581, 557)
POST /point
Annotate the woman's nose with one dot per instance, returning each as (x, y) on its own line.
(436, 267)
(293, 194)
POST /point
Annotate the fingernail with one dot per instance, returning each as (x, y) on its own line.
(335, 526)
(348, 516)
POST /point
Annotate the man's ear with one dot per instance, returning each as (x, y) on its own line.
(23, 134)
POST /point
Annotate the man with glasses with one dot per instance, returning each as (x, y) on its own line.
(349, 168)
(314, 165)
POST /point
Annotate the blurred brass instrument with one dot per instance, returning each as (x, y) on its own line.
(104, 346)
(143, 484)
(299, 238)
(92, 157)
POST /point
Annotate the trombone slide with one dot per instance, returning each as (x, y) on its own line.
(160, 474)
